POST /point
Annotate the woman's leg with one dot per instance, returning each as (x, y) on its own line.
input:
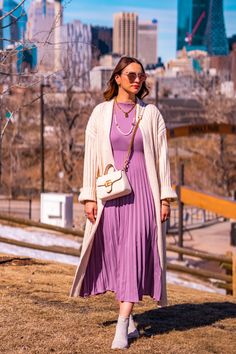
(121, 336)
(126, 308)
(126, 311)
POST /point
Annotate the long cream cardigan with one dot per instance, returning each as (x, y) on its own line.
(98, 153)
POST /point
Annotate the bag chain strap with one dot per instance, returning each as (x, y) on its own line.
(126, 161)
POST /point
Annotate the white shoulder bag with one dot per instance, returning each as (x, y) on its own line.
(114, 183)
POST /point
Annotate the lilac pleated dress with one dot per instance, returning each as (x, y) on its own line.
(124, 257)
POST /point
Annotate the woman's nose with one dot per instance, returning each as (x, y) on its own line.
(137, 79)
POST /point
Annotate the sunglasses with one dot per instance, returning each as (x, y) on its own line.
(132, 76)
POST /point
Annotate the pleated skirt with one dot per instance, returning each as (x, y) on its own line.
(124, 257)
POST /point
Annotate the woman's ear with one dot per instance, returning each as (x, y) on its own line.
(117, 78)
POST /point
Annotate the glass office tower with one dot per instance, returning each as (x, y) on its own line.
(13, 26)
(201, 26)
(192, 21)
(215, 39)
(26, 57)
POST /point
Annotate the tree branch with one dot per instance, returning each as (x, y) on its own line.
(10, 12)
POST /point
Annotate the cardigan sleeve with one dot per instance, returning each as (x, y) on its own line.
(88, 191)
(166, 190)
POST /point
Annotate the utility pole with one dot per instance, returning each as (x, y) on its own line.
(181, 209)
(42, 136)
(1, 118)
(42, 150)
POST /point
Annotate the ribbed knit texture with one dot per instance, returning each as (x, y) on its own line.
(124, 256)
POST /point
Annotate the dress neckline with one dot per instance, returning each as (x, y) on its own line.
(126, 103)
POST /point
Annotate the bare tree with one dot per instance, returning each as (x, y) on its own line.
(20, 95)
(218, 107)
(69, 118)
(210, 159)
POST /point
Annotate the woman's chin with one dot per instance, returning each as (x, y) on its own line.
(135, 90)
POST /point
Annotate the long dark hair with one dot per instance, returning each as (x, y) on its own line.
(112, 87)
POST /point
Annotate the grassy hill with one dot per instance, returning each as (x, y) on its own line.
(38, 317)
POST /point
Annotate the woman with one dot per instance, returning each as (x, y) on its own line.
(124, 247)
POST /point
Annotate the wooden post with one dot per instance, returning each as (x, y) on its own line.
(233, 228)
(30, 208)
(229, 272)
(234, 274)
(181, 209)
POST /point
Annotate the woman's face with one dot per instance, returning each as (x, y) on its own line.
(131, 78)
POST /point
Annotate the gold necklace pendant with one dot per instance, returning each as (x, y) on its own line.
(125, 113)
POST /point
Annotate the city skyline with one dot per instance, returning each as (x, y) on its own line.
(164, 12)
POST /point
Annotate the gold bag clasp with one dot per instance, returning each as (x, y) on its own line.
(108, 183)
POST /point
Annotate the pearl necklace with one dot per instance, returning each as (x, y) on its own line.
(118, 127)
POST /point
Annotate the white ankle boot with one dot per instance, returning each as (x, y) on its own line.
(132, 330)
(120, 340)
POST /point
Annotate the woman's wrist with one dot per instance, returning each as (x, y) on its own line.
(168, 200)
(165, 202)
(166, 205)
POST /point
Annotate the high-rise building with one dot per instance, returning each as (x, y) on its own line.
(215, 39)
(201, 26)
(26, 57)
(191, 24)
(57, 33)
(225, 66)
(101, 42)
(147, 42)
(76, 53)
(125, 34)
(41, 28)
(62, 48)
(232, 41)
(11, 30)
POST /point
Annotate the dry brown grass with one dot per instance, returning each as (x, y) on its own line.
(37, 317)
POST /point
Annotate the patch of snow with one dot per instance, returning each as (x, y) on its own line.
(47, 239)
(173, 278)
(47, 256)
(36, 237)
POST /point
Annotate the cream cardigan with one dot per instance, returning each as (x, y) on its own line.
(98, 153)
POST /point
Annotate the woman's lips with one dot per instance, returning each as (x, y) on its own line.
(136, 86)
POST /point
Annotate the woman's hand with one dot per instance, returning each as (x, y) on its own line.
(90, 210)
(165, 211)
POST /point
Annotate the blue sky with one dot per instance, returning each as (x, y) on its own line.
(100, 12)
